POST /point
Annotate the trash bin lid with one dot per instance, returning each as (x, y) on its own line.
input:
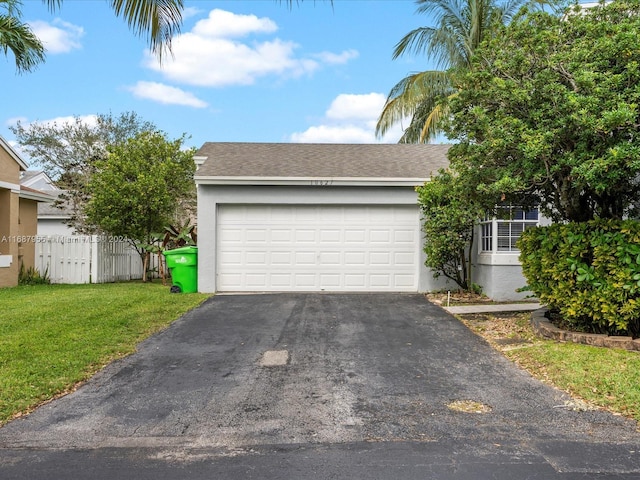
(182, 250)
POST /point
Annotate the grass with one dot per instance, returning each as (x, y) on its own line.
(54, 336)
(602, 377)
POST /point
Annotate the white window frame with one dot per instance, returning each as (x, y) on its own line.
(498, 234)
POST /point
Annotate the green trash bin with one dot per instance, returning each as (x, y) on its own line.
(183, 265)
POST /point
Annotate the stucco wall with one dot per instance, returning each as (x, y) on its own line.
(9, 211)
(27, 230)
(9, 169)
(500, 282)
(210, 196)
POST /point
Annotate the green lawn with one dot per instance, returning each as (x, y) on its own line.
(54, 336)
(603, 377)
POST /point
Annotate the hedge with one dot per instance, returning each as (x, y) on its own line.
(588, 273)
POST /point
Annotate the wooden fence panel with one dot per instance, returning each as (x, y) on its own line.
(88, 259)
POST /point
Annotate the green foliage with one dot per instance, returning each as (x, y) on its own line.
(179, 235)
(68, 152)
(18, 38)
(588, 272)
(31, 276)
(136, 188)
(548, 113)
(449, 218)
(456, 30)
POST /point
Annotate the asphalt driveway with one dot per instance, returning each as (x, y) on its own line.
(351, 385)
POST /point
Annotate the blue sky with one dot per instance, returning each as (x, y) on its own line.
(243, 70)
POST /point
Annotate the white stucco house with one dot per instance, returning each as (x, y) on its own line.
(324, 217)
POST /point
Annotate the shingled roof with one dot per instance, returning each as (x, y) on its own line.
(226, 162)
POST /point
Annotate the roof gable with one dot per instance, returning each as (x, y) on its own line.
(12, 153)
(264, 162)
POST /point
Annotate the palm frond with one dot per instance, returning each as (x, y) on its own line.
(18, 38)
(158, 20)
(409, 94)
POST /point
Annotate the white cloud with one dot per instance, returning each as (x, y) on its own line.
(351, 118)
(221, 50)
(337, 58)
(166, 94)
(58, 36)
(10, 122)
(89, 120)
(223, 24)
(334, 134)
(189, 12)
(363, 107)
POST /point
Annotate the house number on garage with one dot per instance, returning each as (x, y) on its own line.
(321, 183)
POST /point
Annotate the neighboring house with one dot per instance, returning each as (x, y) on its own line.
(52, 219)
(38, 180)
(18, 216)
(328, 217)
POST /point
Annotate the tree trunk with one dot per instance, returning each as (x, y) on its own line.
(145, 265)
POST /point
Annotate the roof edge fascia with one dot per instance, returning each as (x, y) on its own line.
(12, 152)
(38, 197)
(313, 181)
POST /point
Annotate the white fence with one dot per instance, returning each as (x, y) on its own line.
(88, 259)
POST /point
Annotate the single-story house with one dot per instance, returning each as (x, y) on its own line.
(322, 217)
(18, 216)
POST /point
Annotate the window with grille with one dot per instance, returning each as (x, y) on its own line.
(500, 234)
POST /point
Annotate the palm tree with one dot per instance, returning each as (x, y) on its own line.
(18, 38)
(460, 26)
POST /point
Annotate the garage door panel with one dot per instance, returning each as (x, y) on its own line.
(404, 236)
(281, 258)
(281, 236)
(282, 280)
(305, 236)
(330, 258)
(313, 248)
(404, 258)
(330, 236)
(355, 236)
(256, 258)
(379, 236)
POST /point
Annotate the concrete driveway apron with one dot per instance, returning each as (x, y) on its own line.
(302, 380)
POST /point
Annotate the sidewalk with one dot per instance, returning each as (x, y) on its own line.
(505, 307)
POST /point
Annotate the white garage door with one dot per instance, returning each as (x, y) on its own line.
(317, 248)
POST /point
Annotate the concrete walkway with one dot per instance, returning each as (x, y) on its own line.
(511, 307)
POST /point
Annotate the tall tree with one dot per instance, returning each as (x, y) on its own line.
(549, 113)
(460, 26)
(68, 151)
(137, 187)
(17, 37)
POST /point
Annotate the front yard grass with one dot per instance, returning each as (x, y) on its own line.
(54, 336)
(601, 377)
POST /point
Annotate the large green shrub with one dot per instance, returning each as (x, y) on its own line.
(589, 273)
